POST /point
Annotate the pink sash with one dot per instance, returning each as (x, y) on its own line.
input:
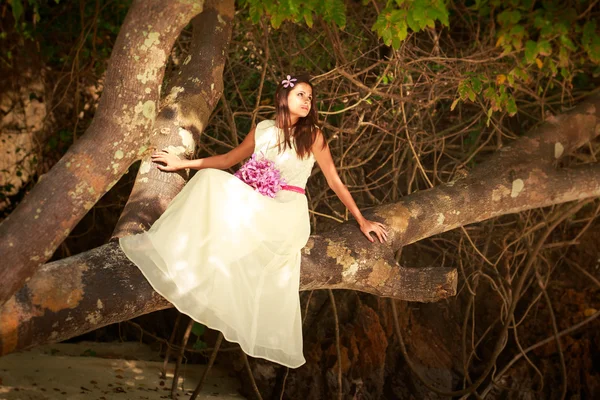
(291, 188)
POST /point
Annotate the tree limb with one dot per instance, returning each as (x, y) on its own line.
(192, 95)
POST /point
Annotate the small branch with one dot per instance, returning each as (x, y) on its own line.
(337, 343)
(163, 373)
(184, 340)
(211, 361)
(250, 376)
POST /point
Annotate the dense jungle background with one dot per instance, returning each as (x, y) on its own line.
(413, 97)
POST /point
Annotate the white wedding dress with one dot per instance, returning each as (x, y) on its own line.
(229, 257)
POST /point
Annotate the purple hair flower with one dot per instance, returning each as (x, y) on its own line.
(261, 174)
(288, 82)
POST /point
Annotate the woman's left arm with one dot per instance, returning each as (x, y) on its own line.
(320, 149)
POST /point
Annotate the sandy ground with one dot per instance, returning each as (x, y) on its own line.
(103, 371)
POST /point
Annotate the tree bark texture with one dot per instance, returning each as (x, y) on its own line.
(117, 136)
(193, 93)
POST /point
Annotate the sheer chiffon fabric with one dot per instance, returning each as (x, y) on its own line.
(229, 257)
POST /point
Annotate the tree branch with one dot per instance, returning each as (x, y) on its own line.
(78, 294)
(191, 97)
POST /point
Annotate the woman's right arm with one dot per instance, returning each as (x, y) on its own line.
(222, 161)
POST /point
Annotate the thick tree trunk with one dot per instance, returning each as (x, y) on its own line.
(117, 136)
(192, 95)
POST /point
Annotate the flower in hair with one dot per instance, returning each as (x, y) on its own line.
(288, 82)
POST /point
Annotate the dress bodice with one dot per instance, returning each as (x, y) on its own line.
(294, 170)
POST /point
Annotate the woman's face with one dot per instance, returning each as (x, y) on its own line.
(299, 101)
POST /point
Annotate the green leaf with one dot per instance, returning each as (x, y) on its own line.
(17, 9)
(476, 84)
(568, 43)
(508, 17)
(563, 57)
(540, 21)
(308, 17)
(517, 30)
(379, 25)
(503, 18)
(276, 20)
(255, 11)
(412, 23)
(561, 28)
(291, 6)
(463, 89)
(515, 17)
(544, 48)
(387, 36)
(471, 95)
(418, 14)
(335, 10)
(511, 79)
(531, 51)
(434, 14)
(484, 10)
(547, 31)
(402, 31)
(200, 345)
(438, 11)
(511, 106)
(397, 16)
(589, 31)
(591, 41)
(489, 93)
(552, 66)
(521, 74)
(198, 329)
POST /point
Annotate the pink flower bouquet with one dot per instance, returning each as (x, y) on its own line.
(261, 174)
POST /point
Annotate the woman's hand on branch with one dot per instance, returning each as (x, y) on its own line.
(376, 227)
(171, 161)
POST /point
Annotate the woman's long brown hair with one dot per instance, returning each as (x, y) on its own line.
(304, 132)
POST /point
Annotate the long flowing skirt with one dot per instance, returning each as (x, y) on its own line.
(229, 258)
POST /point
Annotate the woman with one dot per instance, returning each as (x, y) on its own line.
(226, 251)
